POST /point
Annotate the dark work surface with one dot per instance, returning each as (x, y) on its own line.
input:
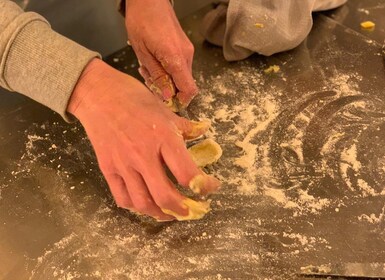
(303, 172)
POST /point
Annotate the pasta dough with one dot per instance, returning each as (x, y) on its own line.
(197, 210)
(206, 152)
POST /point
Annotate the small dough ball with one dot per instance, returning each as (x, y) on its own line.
(206, 152)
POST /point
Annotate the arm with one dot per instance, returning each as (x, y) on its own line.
(36, 61)
(134, 135)
(131, 150)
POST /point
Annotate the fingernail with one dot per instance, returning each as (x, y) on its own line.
(198, 128)
(185, 99)
(168, 93)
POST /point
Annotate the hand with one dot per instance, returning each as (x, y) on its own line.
(162, 48)
(134, 135)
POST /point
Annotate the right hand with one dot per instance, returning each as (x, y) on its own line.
(134, 136)
(162, 48)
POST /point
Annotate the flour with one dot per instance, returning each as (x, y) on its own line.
(373, 218)
(271, 183)
(251, 119)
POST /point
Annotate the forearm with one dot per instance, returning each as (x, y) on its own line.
(36, 61)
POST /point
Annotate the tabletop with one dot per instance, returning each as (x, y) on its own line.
(303, 171)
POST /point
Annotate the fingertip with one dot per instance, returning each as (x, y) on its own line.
(185, 97)
(204, 184)
(197, 129)
(168, 92)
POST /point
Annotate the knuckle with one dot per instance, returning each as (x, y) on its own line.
(173, 62)
(176, 64)
(189, 48)
(106, 167)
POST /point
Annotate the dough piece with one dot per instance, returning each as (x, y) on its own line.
(197, 210)
(206, 152)
(196, 183)
(172, 105)
(368, 24)
(272, 69)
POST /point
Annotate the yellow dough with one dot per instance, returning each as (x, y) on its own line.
(197, 210)
(272, 69)
(206, 152)
(368, 24)
(171, 104)
(196, 183)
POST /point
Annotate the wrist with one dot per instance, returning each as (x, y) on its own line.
(92, 76)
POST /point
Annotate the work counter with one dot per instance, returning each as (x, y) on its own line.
(303, 171)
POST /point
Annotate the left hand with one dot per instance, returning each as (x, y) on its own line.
(163, 49)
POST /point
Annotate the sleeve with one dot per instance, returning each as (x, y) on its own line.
(121, 4)
(36, 61)
(244, 27)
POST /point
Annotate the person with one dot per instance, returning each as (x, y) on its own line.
(133, 133)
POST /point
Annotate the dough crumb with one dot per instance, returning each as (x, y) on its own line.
(272, 69)
(368, 24)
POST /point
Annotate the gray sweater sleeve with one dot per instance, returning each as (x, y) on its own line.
(36, 61)
(244, 27)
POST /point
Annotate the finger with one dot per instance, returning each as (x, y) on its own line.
(162, 82)
(191, 130)
(169, 199)
(178, 68)
(189, 54)
(146, 76)
(180, 163)
(162, 190)
(144, 73)
(119, 191)
(141, 198)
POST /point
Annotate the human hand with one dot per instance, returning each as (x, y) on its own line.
(134, 136)
(162, 48)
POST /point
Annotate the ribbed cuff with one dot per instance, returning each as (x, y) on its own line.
(44, 65)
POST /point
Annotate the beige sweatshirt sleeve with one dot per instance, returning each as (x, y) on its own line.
(36, 61)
